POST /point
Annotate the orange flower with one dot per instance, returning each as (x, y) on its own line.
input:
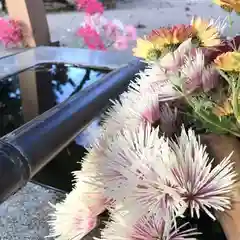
(224, 110)
(161, 41)
(229, 5)
(229, 62)
(171, 36)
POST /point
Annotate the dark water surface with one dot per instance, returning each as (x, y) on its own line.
(25, 95)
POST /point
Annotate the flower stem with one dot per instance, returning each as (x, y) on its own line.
(235, 102)
(230, 22)
(217, 125)
(206, 119)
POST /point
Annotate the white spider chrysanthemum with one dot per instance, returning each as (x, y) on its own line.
(148, 227)
(219, 23)
(129, 112)
(138, 171)
(150, 172)
(87, 136)
(168, 120)
(72, 219)
(195, 75)
(151, 108)
(203, 186)
(123, 113)
(161, 114)
(107, 139)
(174, 60)
(154, 80)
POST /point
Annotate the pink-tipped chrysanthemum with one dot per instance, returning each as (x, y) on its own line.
(151, 111)
(149, 227)
(137, 173)
(169, 122)
(203, 186)
(72, 219)
(162, 115)
(197, 76)
(155, 80)
(175, 60)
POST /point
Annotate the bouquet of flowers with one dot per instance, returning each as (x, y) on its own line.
(149, 167)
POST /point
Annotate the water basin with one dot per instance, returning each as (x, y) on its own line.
(29, 93)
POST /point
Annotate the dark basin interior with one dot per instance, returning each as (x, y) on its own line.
(25, 95)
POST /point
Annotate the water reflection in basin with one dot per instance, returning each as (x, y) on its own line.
(25, 95)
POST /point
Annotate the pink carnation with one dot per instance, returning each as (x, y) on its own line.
(90, 6)
(131, 32)
(91, 38)
(111, 30)
(10, 32)
(121, 43)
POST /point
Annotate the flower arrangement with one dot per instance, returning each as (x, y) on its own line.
(11, 32)
(100, 33)
(149, 167)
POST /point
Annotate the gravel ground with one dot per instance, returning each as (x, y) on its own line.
(24, 216)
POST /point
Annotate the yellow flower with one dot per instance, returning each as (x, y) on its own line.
(224, 110)
(147, 50)
(229, 5)
(229, 62)
(206, 34)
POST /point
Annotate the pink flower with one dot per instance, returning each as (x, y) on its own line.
(95, 20)
(84, 224)
(121, 43)
(152, 111)
(153, 227)
(197, 75)
(71, 221)
(91, 38)
(173, 61)
(93, 7)
(203, 186)
(111, 30)
(149, 227)
(88, 20)
(131, 32)
(90, 6)
(10, 32)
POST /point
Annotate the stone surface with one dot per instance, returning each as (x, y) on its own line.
(24, 216)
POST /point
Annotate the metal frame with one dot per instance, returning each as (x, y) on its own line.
(84, 57)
